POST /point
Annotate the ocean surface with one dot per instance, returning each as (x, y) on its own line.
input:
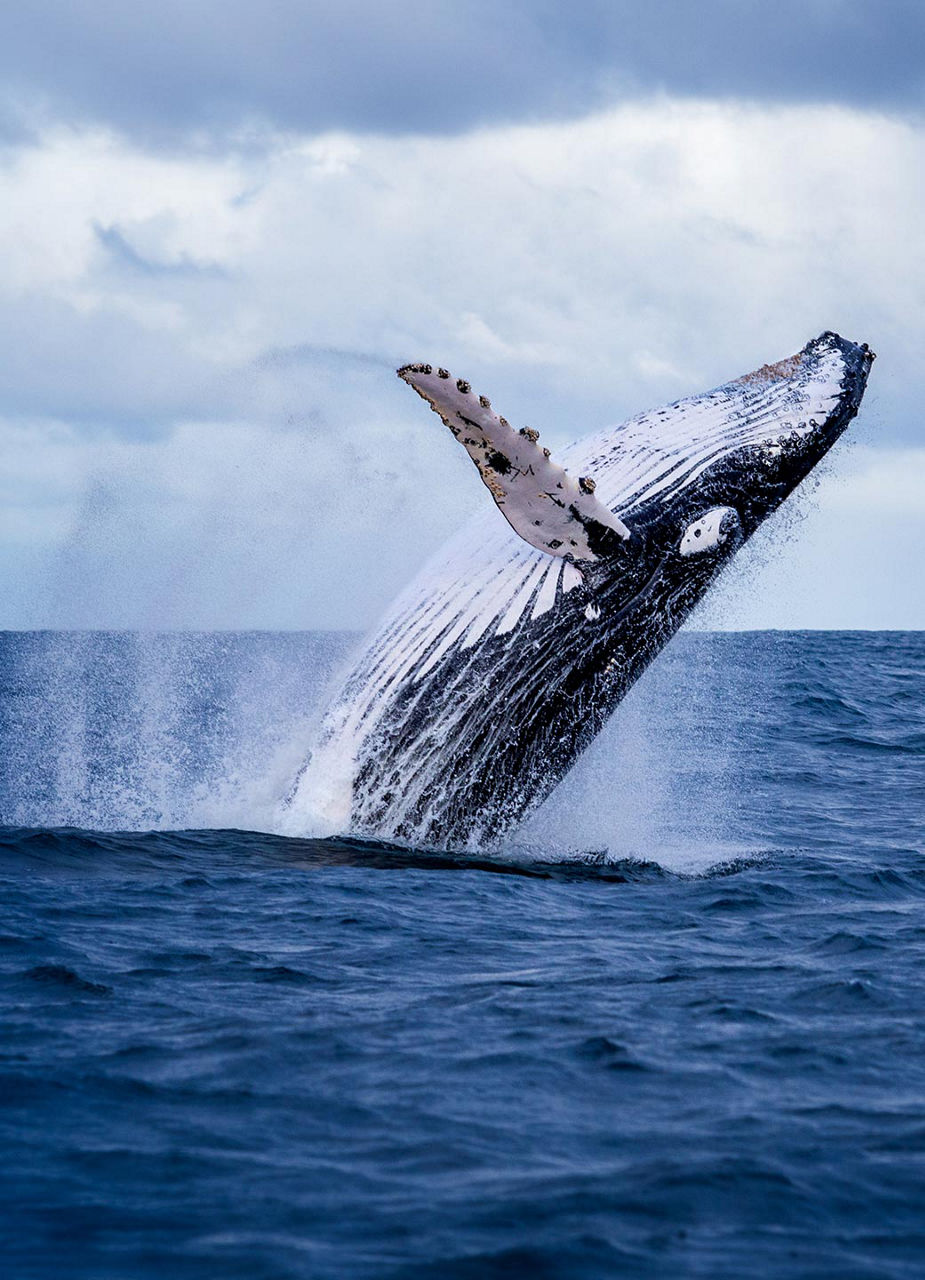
(676, 1028)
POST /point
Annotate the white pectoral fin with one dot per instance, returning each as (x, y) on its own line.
(709, 531)
(550, 509)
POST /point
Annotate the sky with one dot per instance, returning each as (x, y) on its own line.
(223, 226)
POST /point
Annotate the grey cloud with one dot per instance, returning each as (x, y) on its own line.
(306, 353)
(167, 72)
(16, 130)
(102, 369)
(125, 254)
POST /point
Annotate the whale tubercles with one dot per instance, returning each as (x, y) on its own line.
(547, 507)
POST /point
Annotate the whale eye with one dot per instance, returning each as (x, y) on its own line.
(709, 531)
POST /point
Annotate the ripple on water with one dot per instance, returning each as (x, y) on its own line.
(694, 1051)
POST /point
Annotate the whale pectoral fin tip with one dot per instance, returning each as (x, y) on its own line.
(712, 530)
(520, 474)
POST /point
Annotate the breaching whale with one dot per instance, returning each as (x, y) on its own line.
(501, 661)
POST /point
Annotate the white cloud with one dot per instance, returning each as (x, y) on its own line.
(575, 272)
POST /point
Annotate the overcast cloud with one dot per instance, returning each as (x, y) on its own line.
(167, 71)
(199, 418)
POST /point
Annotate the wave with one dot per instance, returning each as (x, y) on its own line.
(47, 851)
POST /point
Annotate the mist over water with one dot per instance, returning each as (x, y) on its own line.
(137, 731)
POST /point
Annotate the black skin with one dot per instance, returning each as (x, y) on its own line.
(505, 761)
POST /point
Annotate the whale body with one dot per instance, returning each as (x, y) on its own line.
(503, 658)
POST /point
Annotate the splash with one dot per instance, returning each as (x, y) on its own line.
(144, 731)
(658, 783)
(135, 732)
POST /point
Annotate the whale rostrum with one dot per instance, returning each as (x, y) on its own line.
(503, 658)
(550, 509)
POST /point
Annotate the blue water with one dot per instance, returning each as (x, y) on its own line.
(676, 1029)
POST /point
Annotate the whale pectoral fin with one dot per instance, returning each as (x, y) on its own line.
(710, 531)
(541, 502)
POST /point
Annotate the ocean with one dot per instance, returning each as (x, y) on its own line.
(676, 1027)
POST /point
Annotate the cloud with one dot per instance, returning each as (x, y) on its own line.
(209, 339)
(110, 365)
(582, 271)
(176, 72)
(127, 255)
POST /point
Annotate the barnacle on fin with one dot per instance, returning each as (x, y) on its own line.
(548, 508)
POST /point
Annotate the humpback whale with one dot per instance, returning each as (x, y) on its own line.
(504, 657)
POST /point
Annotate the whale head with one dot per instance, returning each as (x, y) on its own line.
(694, 480)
